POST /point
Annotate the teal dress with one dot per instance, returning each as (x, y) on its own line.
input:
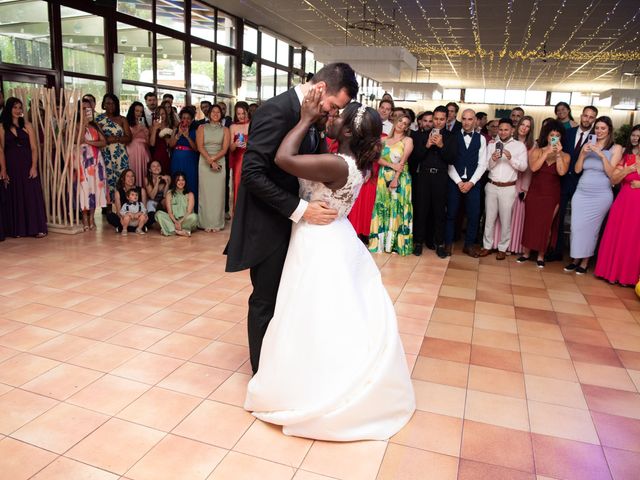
(392, 218)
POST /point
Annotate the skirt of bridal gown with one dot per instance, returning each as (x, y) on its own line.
(332, 366)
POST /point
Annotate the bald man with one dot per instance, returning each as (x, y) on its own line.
(465, 173)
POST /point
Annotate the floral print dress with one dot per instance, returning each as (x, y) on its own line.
(392, 218)
(115, 155)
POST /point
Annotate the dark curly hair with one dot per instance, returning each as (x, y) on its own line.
(131, 115)
(364, 142)
(550, 125)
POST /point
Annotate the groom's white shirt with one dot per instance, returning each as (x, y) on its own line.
(302, 206)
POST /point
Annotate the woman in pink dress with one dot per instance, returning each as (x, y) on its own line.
(138, 149)
(524, 133)
(619, 255)
(239, 137)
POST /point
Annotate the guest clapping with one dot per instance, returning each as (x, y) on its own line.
(185, 152)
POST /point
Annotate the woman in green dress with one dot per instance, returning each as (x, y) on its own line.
(179, 218)
(392, 218)
(212, 140)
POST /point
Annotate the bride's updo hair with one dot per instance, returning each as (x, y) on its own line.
(366, 127)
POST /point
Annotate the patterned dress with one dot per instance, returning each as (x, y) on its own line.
(392, 218)
(91, 174)
(115, 155)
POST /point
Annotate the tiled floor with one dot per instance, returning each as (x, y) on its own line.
(127, 358)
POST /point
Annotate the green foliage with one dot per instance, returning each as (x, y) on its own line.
(621, 136)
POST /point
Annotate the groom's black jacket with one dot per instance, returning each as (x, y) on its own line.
(267, 195)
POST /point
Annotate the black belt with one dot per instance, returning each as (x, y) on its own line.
(430, 170)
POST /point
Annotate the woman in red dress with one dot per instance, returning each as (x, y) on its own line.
(548, 163)
(239, 137)
(619, 255)
(161, 130)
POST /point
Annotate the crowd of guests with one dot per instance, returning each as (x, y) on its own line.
(452, 174)
(152, 164)
(442, 175)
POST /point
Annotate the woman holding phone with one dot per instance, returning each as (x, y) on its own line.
(592, 200)
(548, 163)
(138, 149)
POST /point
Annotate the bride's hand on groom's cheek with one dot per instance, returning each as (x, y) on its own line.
(310, 110)
(319, 213)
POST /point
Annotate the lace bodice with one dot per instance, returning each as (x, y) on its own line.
(343, 198)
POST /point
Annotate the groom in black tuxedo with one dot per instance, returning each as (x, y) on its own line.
(268, 197)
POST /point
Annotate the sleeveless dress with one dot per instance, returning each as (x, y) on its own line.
(619, 255)
(332, 366)
(92, 177)
(235, 163)
(138, 151)
(392, 218)
(360, 215)
(21, 201)
(116, 159)
(211, 183)
(185, 159)
(179, 205)
(543, 197)
(590, 205)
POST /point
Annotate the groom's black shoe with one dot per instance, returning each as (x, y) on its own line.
(417, 249)
(440, 251)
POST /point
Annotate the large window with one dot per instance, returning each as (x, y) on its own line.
(82, 42)
(268, 47)
(24, 33)
(170, 68)
(249, 86)
(283, 53)
(136, 46)
(225, 75)
(267, 78)
(170, 14)
(226, 30)
(136, 8)
(250, 40)
(94, 87)
(202, 68)
(282, 81)
(203, 21)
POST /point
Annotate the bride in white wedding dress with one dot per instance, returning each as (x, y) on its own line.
(332, 366)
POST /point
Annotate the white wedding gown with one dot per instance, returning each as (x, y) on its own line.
(332, 366)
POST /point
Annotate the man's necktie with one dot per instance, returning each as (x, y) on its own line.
(579, 144)
(313, 139)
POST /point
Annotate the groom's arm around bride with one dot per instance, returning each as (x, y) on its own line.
(268, 199)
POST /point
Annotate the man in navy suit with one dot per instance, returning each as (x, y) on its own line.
(572, 142)
(453, 125)
(469, 166)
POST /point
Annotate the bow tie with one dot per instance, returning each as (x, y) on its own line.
(467, 133)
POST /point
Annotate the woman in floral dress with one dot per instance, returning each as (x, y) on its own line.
(392, 218)
(118, 135)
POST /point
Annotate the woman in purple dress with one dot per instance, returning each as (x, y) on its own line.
(23, 211)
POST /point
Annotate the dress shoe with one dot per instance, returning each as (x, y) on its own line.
(501, 255)
(471, 251)
(441, 252)
(522, 259)
(417, 250)
(581, 271)
(484, 252)
(448, 249)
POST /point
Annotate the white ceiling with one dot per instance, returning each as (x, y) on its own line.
(564, 45)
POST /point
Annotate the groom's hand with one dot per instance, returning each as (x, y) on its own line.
(319, 213)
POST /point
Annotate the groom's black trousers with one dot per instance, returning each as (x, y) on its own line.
(265, 278)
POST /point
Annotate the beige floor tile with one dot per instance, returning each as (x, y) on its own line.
(222, 355)
(59, 428)
(551, 367)
(177, 458)
(27, 337)
(353, 460)
(604, 376)
(233, 390)
(441, 371)
(20, 368)
(215, 423)
(500, 410)
(495, 339)
(441, 399)
(63, 347)
(493, 380)
(207, 327)
(62, 381)
(104, 357)
(456, 333)
(148, 367)
(542, 346)
(65, 469)
(19, 407)
(563, 422)
(433, 432)
(116, 446)
(109, 394)
(555, 391)
(406, 463)
(267, 441)
(138, 337)
(238, 466)
(179, 345)
(160, 408)
(195, 379)
(19, 461)
(490, 322)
